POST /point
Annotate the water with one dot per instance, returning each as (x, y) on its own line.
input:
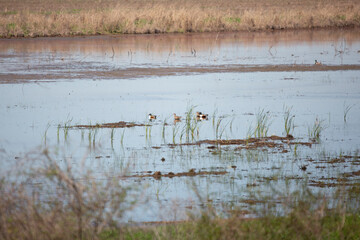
(50, 82)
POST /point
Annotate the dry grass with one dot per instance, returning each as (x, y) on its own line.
(63, 18)
(48, 199)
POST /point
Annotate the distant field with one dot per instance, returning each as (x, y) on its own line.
(33, 18)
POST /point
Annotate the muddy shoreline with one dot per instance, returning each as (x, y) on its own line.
(141, 72)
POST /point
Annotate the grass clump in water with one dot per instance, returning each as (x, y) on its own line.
(288, 121)
(316, 129)
(262, 124)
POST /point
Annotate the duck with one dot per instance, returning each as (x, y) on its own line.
(204, 116)
(201, 116)
(317, 63)
(177, 118)
(152, 117)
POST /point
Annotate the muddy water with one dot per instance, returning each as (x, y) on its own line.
(94, 80)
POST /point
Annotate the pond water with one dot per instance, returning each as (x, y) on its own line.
(49, 83)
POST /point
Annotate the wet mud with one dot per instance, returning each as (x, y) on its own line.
(252, 143)
(191, 173)
(139, 72)
(120, 124)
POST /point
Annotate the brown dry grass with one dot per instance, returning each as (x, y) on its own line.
(43, 198)
(63, 18)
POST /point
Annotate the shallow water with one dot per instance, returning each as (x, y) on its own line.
(50, 82)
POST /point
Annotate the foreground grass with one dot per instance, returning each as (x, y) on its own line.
(33, 18)
(291, 227)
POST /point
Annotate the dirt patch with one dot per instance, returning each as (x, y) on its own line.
(251, 143)
(169, 71)
(252, 201)
(355, 160)
(139, 72)
(322, 184)
(120, 124)
(352, 174)
(192, 172)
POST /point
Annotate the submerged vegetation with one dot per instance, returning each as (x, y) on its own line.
(316, 129)
(90, 17)
(262, 124)
(288, 121)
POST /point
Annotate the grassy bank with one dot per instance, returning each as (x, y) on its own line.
(292, 227)
(32, 18)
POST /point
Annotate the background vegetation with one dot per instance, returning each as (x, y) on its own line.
(33, 18)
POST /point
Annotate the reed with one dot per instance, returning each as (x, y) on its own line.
(66, 128)
(347, 108)
(316, 129)
(122, 137)
(190, 122)
(163, 129)
(112, 136)
(220, 128)
(288, 121)
(89, 17)
(175, 130)
(262, 124)
(148, 130)
(45, 133)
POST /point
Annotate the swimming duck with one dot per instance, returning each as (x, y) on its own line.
(152, 117)
(177, 118)
(204, 116)
(317, 63)
(201, 116)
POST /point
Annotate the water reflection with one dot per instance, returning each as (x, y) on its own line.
(65, 56)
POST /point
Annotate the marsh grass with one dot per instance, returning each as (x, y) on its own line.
(163, 129)
(262, 124)
(182, 133)
(288, 121)
(148, 127)
(112, 136)
(347, 108)
(45, 133)
(190, 123)
(220, 127)
(66, 127)
(95, 131)
(175, 131)
(122, 137)
(316, 129)
(90, 17)
(48, 201)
